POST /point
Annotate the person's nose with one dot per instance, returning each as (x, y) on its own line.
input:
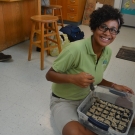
(107, 32)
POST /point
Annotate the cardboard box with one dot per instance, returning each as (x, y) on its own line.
(91, 6)
(108, 2)
(101, 1)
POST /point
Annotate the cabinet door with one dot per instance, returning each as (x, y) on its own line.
(3, 44)
(15, 26)
(14, 32)
(63, 3)
(53, 2)
(56, 2)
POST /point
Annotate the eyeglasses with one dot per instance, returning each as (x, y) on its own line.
(104, 28)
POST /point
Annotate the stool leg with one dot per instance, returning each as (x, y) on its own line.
(47, 42)
(42, 47)
(53, 12)
(45, 11)
(57, 36)
(61, 18)
(38, 36)
(31, 40)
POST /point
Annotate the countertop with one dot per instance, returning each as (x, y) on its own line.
(9, 0)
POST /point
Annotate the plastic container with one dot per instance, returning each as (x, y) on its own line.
(112, 96)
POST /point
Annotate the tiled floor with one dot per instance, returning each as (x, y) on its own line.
(24, 91)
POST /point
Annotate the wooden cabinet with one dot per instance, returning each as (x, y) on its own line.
(72, 9)
(73, 2)
(15, 24)
(75, 9)
(53, 2)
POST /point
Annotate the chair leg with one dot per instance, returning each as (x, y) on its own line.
(42, 47)
(31, 40)
(57, 36)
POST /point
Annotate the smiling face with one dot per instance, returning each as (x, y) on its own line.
(102, 39)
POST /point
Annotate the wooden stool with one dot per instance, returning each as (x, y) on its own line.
(43, 34)
(58, 12)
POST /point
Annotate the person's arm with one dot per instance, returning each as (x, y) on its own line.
(116, 86)
(82, 79)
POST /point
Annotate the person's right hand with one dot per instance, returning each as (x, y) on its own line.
(83, 79)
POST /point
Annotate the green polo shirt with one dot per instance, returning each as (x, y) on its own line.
(76, 58)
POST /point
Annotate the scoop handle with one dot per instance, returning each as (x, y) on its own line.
(92, 87)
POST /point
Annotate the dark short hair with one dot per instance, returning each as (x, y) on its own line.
(104, 14)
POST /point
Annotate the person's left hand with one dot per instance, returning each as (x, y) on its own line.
(123, 88)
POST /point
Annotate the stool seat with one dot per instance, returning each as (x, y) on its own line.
(44, 18)
(44, 32)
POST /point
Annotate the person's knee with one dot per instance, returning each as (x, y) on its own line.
(75, 128)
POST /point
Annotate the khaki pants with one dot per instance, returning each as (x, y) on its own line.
(64, 111)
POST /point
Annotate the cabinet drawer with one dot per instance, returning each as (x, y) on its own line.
(72, 9)
(72, 17)
(73, 2)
